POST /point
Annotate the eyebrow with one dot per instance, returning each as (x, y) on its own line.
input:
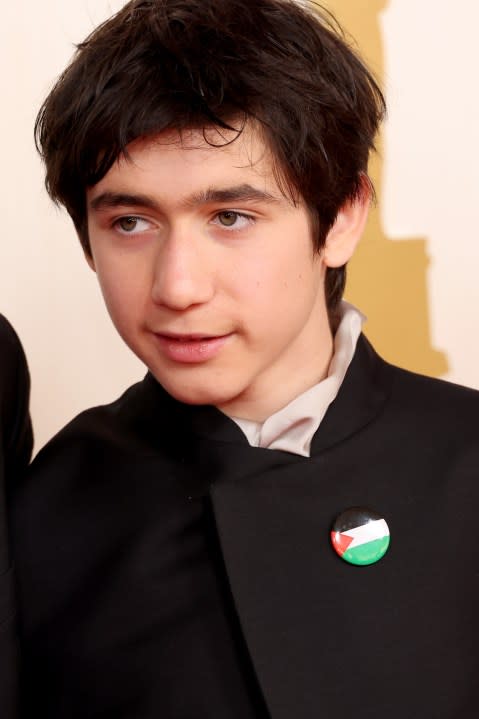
(237, 193)
(109, 200)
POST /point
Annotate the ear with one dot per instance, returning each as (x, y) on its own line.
(348, 227)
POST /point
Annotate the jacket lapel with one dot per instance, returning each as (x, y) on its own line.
(273, 512)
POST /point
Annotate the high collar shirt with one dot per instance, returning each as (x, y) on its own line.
(291, 429)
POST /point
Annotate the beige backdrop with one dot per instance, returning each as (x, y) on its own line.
(415, 275)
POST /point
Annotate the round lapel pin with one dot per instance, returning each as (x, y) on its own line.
(360, 536)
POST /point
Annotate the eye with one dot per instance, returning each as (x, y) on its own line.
(227, 218)
(131, 225)
(232, 219)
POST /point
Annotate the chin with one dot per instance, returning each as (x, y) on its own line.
(196, 394)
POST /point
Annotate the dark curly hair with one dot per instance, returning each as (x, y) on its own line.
(174, 64)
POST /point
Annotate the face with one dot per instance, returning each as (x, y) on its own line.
(209, 272)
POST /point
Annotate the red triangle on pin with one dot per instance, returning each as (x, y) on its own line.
(341, 541)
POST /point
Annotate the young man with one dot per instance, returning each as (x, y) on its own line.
(15, 450)
(181, 552)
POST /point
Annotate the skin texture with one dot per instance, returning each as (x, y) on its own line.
(209, 272)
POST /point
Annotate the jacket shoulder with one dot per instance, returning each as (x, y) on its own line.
(126, 424)
(12, 355)
(438, 392)
(16, 430)
(432, 408)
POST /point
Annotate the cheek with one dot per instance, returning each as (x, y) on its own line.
(283, 280)
(122, 292)
(260, 271)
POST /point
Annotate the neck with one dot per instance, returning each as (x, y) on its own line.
(268, 394)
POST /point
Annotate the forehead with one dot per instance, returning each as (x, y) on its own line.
(180, 161)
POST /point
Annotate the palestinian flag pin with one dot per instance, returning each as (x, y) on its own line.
(360, 536)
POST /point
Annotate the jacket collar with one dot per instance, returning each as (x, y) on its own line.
(361, 397)
(273, 514)
(362, 393)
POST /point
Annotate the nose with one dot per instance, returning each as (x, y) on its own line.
(182, 273)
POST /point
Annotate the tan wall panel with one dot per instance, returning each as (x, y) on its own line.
(415, 320)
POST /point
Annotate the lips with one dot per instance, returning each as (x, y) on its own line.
(191, 348)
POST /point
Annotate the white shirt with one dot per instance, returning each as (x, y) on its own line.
(292, 428)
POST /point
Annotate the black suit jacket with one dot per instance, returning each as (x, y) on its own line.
(168, 569)
(15, 449)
